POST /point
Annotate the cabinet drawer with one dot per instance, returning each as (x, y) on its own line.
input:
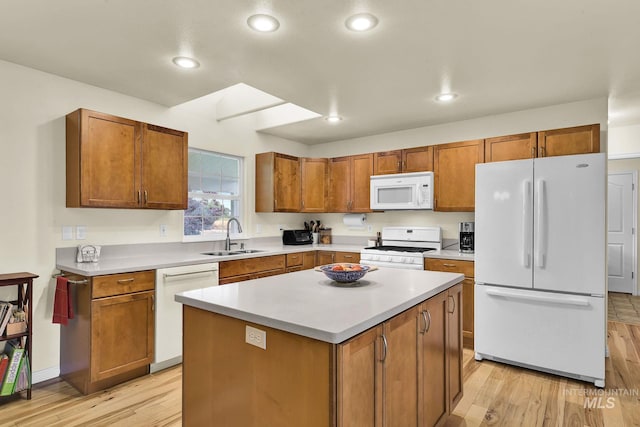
(347, 257)
(251, 265)
(124, 283)
(449, 265)
(294, 259)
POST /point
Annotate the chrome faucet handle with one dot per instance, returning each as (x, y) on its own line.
(242, 245)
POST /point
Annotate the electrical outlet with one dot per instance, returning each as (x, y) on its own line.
(258, 228)
(280, 226)
(81, 232)
(255, 337)
(163, 230)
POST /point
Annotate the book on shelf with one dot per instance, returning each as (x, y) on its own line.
(5, 314)
(15, 358)
(23, 380)
(4, 362)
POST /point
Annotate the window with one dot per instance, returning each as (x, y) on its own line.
(215, 193)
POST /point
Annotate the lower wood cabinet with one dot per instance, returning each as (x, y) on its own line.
(300, 261)
(111, 337)
(330, 257)
(251, 268)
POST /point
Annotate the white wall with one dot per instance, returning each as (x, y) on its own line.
(32, 172)
(624, 141)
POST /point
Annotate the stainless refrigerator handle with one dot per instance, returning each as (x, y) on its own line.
(526, 223)
(540, 225)
(573, 300)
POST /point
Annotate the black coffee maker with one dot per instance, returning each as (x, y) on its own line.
(466, 237)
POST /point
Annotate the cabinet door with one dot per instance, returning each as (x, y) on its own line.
(454, 344)
(419, 159)
(361, 171)
(109, 160)
(339, 184)
(325, 257)
(387, 162)
(314, 184)
(432, 361)
(164, 168)
(308, 260)
(400, 369)
(294, 259)
(359, 391)
(467, 312)
(455, 175)
(511, 147)
(287, 183)
(347, 257)
(567, 141)
(122, 331)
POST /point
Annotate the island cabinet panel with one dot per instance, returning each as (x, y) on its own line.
(251, 268)
(567, 141)
(454, 345)
(113, 162)
(228, 382)
(454, 167)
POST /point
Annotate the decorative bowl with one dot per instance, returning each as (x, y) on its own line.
(344, 272)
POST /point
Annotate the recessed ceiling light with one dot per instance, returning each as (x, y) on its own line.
(333, 119)
(184, 62)
(446, 97)
(263, 23)
(361, 22)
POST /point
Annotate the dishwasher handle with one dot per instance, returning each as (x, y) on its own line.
(189, 273)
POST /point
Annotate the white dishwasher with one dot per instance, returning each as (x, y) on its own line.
(168, 330)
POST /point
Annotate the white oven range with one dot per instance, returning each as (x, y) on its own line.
(403, 247)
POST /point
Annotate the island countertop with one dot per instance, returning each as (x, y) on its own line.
(307, 303)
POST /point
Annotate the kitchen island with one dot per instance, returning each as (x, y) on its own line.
(299, 349)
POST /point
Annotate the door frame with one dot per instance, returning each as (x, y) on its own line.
(634, 246)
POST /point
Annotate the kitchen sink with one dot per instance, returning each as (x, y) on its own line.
(222, 253)
(248, 251)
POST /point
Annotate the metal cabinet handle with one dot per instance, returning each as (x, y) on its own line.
(153, 302)
(533, 151)
(448, 265)
(138, 196)
(453, 300)
(399, 165)
(126, 280)
(384, 347)
(146, 197)
(426, 316)
(348, 256)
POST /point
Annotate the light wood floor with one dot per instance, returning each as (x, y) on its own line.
(494, 395)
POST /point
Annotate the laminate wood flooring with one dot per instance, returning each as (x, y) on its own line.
(494, 395)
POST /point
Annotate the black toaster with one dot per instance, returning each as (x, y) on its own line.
(297, 237)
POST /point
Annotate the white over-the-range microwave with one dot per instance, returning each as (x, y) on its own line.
(402, 191)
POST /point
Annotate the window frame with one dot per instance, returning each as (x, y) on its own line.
(240, 199)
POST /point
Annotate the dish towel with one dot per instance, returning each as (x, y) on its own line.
(62, 305)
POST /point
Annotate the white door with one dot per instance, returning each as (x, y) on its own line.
(504, 223)
(569, 224)
(621, 248)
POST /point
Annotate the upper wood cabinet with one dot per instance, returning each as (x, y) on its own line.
(567, 141)
(454, 167)
(511, 147)
(349, 183)
(315, 182)
(113, 162)
(557, 142)
(277, 183)
(417, 159)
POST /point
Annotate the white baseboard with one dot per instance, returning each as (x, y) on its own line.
(45, 374)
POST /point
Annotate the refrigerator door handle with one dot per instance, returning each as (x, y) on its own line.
(540, 224)
(583, 302)
(526, 223)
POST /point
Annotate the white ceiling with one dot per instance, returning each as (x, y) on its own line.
(498, 55)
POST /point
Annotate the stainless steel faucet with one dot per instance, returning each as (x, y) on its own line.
(227, 242)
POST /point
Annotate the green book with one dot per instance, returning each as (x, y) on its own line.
(12, 370)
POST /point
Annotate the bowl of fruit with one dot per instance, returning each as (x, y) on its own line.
(344, 272)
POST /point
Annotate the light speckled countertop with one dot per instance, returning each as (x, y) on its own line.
(307, 303)
(449, 254)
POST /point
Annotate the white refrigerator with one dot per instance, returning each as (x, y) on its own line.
(540, 264)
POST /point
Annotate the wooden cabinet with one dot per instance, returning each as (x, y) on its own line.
(251, 268)
(349, 183)
(314, 184)
(277, 183)
(113, 162)
(418, 159)
(300, 261)
(466, 268)
(557, 142)
(330, 257)
(567, 141)
(454, 167)
(23, 285)
(111, 337)
(454, 345)
(511, 147)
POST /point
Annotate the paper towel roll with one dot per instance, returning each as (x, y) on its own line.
(354, 220)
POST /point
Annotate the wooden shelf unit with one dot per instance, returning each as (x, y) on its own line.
(24, 282)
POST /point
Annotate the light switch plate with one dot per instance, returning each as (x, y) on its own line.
(67, 232)
(256, 337)
(81, 232)
(163, 230)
